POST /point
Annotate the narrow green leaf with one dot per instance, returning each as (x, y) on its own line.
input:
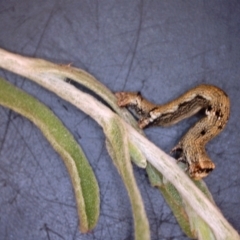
(82, 177)
(117, 145)
(137, 156)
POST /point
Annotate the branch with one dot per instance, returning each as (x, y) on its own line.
(49, 75)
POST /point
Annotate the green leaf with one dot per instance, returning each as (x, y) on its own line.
(82, 177)
(117, 145)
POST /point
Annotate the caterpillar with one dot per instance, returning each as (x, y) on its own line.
(191, 147)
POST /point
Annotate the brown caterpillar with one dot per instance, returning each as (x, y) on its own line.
(192, 146)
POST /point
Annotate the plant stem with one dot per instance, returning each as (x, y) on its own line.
(47, 75)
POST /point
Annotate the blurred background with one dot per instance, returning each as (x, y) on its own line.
(161, 48)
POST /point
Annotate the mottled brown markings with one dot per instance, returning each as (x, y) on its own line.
(203, 132)
(209, 108)
(165, 119)
(219, 114)
(192, 145)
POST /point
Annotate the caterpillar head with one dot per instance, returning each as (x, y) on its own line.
(200, 169)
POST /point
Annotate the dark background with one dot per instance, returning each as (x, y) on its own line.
(161, 48)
